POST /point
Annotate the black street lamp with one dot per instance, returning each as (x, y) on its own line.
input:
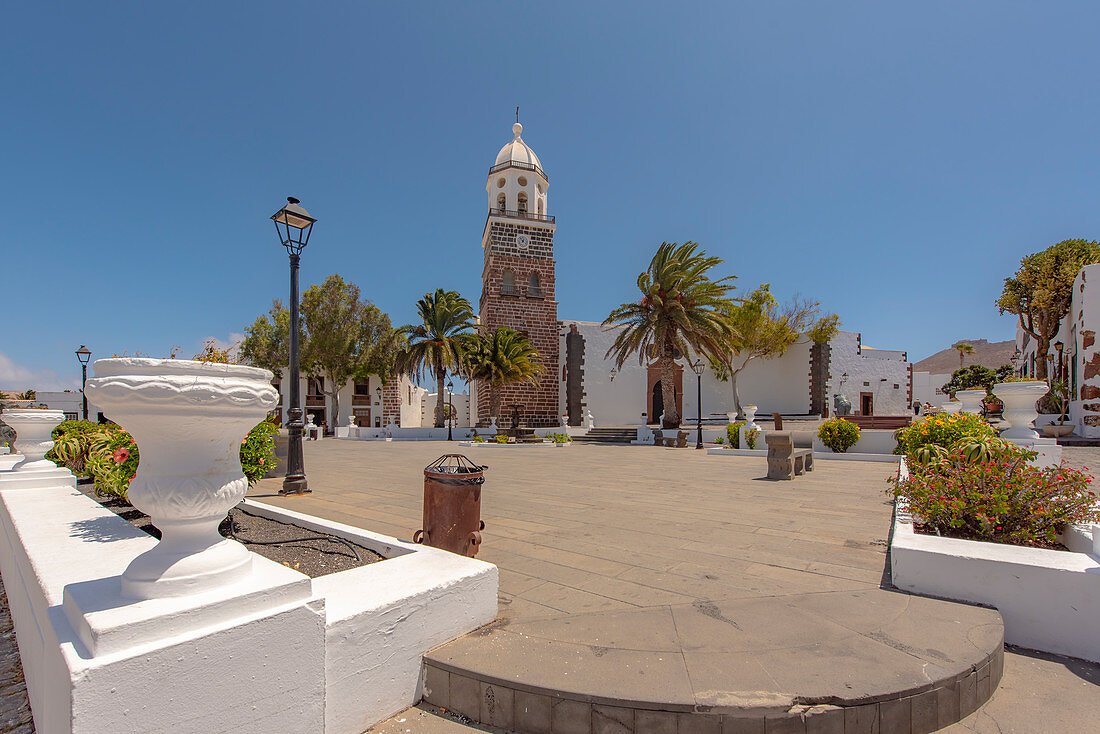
(451, 403)
(698, 366)
(1059, 372)
(84, 355)
(1015, 359)
(294, 224)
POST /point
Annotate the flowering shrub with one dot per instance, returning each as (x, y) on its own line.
(559, 437)
(1002, 500)
(501, 438)
(838, 434)
(942, 429)
(113, 462)
(479, 439)
(751, 436)
(733, 433)
(258, 450)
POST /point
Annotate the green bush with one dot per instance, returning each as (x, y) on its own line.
(501, 438)
(559, 437)
(733, 433)
(990, 492)
(719, 440)
(838, 434)
(258, 450)
(941, 429)
(478, 439)
(74, 441)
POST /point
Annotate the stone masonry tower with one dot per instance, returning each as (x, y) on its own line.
(517, 284)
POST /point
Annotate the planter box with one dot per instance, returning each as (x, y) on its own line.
(1050, 600)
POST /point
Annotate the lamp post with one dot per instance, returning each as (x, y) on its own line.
(614, 372)
(451, 405)
(294, 225)
(1059, 372)
(378, 393)
(1015, 359)
(84, 355)
(697, 367)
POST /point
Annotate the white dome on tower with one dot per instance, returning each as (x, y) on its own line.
(518, 152)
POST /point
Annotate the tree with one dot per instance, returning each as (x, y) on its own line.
(27, 395)
(345, 336)
(1040, 292)
(267, 341)
(438, 343)
(761, 328)
(963, 348)
(976, 375)
(677, 313)
(501, 357)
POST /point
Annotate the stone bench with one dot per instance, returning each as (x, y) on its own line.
(786, 458)
(679, 442)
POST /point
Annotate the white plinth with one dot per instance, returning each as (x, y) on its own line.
(250, 659)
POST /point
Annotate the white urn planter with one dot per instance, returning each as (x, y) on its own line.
(188, 420)
(952, 406)
(32, 436)
(971, 400)
(1020, 413)
(731, 417)
(750, 417)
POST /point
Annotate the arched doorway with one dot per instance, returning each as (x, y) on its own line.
(655, 399)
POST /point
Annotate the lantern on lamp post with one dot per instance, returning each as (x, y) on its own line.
(294, 225)
(1060, 369)
(84, 355)
(697, 367)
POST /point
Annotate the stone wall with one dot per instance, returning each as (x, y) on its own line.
(526, 309)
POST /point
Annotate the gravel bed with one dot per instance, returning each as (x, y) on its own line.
(317, 556)
(15, 707)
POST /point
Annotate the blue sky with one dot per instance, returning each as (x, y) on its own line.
(891, 160)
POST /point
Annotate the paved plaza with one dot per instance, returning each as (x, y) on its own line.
(655, 584)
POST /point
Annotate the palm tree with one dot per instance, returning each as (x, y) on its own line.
(437, 344)
(677, 313)
(963, 348)
(501, 357)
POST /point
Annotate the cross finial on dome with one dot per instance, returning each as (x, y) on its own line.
(517, 129)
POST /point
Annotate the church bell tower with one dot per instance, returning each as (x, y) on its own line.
(517, 283)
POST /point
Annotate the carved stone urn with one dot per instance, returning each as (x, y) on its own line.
(1019, 399)
(971, 400)
(188, 420)
(951, 406)
(750, 417)
(32, 436)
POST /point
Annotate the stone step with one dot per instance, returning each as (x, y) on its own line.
(897, 663)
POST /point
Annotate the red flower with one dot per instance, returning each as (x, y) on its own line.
(120, 455)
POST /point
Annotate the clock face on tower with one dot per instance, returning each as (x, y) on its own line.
(522, 241)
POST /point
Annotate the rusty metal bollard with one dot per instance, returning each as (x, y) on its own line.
(452, 505)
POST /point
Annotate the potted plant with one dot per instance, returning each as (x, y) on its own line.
(1059, 395)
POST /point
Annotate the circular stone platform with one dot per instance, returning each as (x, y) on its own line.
(845, 661)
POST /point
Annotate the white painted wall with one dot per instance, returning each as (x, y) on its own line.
(926, 387)
(869, 370)
(461, 402)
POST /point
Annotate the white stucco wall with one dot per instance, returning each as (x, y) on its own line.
(778, 385)
(926, 387)
(461, 402)
(876, 371)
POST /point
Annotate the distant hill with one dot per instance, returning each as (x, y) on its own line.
(986, 353)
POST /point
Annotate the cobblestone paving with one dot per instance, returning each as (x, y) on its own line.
(15, 709)
(1080, 457)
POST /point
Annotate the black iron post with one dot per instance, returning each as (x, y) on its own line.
(295, 481)
(451, 405)
(296, 225)
(698, 368)
(84, 355)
